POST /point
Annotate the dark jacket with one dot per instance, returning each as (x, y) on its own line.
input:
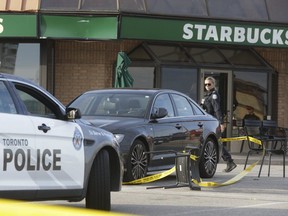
(211, 104)
(251, 116)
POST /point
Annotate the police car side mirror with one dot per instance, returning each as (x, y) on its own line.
(73, 113)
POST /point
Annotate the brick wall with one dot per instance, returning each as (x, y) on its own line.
(82, 66)
(278, 58)
(19, 5)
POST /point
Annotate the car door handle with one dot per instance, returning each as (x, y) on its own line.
(200, 124)
(44, 128)
(178, 126)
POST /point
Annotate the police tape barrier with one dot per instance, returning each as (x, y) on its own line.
(151, 178)
(17, 208)
(252, 139)
(156, 177)
(230, 181)
(235, 179)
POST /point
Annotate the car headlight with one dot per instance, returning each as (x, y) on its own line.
(119, 137)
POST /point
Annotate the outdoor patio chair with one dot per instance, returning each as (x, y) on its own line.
(252, 129)
(274, 142)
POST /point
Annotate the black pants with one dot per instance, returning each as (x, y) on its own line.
(226, 155)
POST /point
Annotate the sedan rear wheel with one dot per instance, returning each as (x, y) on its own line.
(208, 160)
(137, 162)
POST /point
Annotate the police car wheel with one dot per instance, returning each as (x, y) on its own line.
(208, 160)
(98, 192)
(137, 162)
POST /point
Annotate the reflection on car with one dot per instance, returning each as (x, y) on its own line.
(145, 120)
(49, 153)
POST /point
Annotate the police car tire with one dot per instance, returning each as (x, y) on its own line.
(208, 159)
(98, 192)
(135, 159)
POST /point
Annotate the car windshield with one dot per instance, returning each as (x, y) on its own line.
(112, 104)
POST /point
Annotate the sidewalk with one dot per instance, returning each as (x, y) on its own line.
(240, 158)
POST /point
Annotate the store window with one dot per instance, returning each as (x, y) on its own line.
(177, 66)
(22, 59)
(251, 91)
(143, 76)
(181, 79)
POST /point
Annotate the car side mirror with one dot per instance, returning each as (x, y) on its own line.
(73, 113)
(159, 113)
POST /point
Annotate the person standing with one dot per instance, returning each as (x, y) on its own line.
(251, 115)
(211, 104)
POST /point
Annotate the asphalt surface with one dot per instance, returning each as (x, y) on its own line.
(250, 195)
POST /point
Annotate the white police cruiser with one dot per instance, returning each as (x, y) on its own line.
(48, 153)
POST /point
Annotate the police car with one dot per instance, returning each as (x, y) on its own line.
(48, 153)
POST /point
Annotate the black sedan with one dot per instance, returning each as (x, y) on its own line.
(49, 153)
(149, 120)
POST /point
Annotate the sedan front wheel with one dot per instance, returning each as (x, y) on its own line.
(137, 162)
(208, 160)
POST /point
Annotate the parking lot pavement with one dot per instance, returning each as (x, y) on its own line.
(250, 195)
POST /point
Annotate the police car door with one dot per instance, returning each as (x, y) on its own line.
(58, 156)
(16, 141)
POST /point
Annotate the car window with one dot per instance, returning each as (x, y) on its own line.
(197, 110)
(182, 105)
(35, 103)
(112, 104)
(164, 101)
(6, 102)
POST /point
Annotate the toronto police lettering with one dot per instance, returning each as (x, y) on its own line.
(235, 34)
(29, 159)
(15, 142)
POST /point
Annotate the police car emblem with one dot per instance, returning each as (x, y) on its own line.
(77, 139)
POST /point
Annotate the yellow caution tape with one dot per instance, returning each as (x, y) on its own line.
(194, 157)
(151, 178)
(252, 139)
(230, 181)
(16, 208)
(162, 175)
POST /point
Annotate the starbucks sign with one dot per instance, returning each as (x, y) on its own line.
(204, 32)
(235, 34)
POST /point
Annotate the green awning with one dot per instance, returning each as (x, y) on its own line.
(78, 27)
(18, 25)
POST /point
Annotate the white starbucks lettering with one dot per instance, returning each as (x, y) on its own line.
(212, 33)
(225, 34)
(286, 36)
(236, 34)
(188, 33)
(277, 36)
(264, 36)
(1, 26)
(200, 29)
(239, 34)
(252, 35)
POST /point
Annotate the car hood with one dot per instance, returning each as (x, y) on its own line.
(113, 124)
